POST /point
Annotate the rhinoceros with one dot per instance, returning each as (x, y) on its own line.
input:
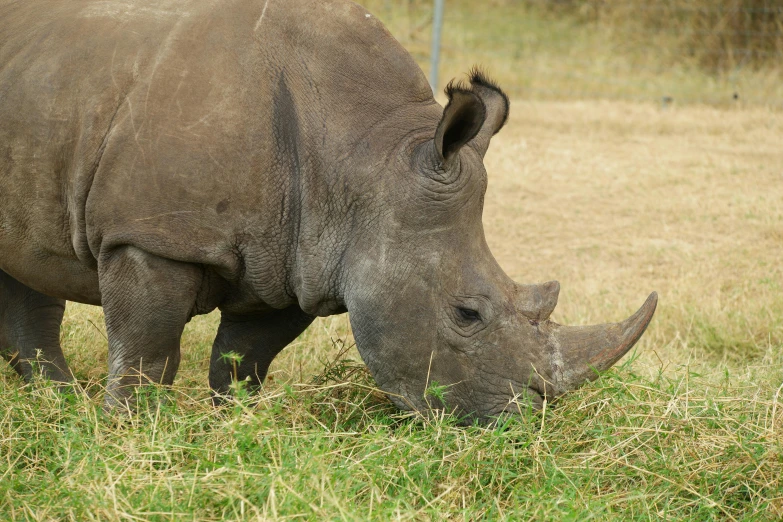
(277, 161)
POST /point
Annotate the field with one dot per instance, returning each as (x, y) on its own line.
(612, 198)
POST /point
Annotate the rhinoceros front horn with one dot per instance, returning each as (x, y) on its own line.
(581, 353)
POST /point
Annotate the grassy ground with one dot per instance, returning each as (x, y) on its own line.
(614, 199)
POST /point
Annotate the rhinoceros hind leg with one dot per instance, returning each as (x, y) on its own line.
(256, 340)
(30, 331)
(147, 300)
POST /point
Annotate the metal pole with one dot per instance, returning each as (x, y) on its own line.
(437, 25)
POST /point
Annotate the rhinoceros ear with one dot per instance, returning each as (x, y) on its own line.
(497, 106)
(462, 120)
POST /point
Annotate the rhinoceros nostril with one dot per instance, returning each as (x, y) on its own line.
(532, 322)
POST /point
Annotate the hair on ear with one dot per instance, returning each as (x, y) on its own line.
(480, 80)
(476, 111)
(463, 118)
(455, 86)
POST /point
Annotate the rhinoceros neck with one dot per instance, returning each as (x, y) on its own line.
(344, 96)
(333, 172)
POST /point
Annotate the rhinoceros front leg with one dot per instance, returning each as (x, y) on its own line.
(256, 340)
(147, 300)
(30, 331)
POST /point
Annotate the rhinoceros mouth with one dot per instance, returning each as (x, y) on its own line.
(520, 402)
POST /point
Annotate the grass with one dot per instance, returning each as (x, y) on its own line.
(629, 447)
(614, 199)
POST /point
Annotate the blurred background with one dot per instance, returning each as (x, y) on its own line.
(668, 51)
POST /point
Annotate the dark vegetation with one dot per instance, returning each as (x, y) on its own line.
(718, 36)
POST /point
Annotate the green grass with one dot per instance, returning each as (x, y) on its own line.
(680, 445)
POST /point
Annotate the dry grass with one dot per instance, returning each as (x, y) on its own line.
(613, 199)
(616, 199)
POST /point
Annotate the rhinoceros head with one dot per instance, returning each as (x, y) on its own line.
(431, 307)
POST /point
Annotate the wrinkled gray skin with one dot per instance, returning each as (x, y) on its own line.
(278, 161)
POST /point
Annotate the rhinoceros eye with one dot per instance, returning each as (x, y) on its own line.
(468, 315)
